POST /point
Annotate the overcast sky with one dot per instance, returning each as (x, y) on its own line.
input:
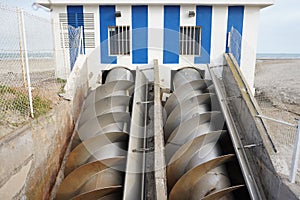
(279, 28)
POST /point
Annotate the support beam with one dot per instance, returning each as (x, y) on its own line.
(159, 149)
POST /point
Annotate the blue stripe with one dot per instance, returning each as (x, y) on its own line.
(235, 20)
(107, 18)
(204, 19)
(75, 16)
(75, 19)
(139, 34)
(171, 34)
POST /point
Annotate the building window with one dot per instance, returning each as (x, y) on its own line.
(119, 40)
(190, 40)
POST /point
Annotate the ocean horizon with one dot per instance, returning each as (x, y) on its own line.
(278, 56)
(9, 55)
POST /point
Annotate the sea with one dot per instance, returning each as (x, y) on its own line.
(8, 55)
(266, 56)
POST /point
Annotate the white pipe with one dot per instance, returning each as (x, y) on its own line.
(295, 159)
(64, 50)
(276, 120)
(21, 47)
(27, 64)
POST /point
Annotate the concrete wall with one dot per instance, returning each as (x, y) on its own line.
(251, 129)
(31, 157)
(219, 17)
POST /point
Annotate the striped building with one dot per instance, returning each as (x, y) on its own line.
(178, 33)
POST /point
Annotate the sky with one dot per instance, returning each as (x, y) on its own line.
(279, 26)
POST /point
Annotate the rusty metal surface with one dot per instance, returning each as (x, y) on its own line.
(96, 165)
(71, 185)
(84, 152)
(181, 189)
(114, 196)
(112, 192)
(208, 183)
(179, 161)
(194, 124)
(221, 193)
(105, 178)
(107, 162)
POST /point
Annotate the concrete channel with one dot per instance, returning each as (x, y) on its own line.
(131, 145)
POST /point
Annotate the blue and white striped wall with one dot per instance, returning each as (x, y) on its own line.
(155, 34)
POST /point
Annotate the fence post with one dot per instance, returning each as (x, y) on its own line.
(27, 63)
(21, 47)
(66, 66)
(295, 158)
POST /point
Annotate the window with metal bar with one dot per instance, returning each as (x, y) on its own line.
(119, 40)
(190, 40)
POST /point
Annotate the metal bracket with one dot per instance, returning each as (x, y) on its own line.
(217, 66)
(231, 98)
(276, 120)
(144, 102)
(248, 146)
(143, 150)
(145, 69)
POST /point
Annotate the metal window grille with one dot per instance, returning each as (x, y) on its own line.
(119, 40)
(190, 40)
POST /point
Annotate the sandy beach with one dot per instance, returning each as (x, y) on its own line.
(44, 84)
(277, 84)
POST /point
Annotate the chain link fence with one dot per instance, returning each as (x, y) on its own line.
(29, 86)
(235, 43)
(282, 133)
(279, 110)
(271, 106)
(280, 113)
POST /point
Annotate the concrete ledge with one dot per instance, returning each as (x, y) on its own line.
(159, 156)
(31, 157)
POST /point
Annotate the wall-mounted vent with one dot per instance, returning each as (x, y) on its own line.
(89, 28)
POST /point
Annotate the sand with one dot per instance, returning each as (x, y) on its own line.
(44, 85)
(277, 84)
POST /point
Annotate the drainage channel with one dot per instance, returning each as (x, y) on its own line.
(139, 180)
(201, 162)
(95, 168)
(115, 155)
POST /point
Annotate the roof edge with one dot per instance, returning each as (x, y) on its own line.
(260, 3)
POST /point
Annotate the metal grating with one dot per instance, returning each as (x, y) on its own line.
(119, 40)
(190, 40)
